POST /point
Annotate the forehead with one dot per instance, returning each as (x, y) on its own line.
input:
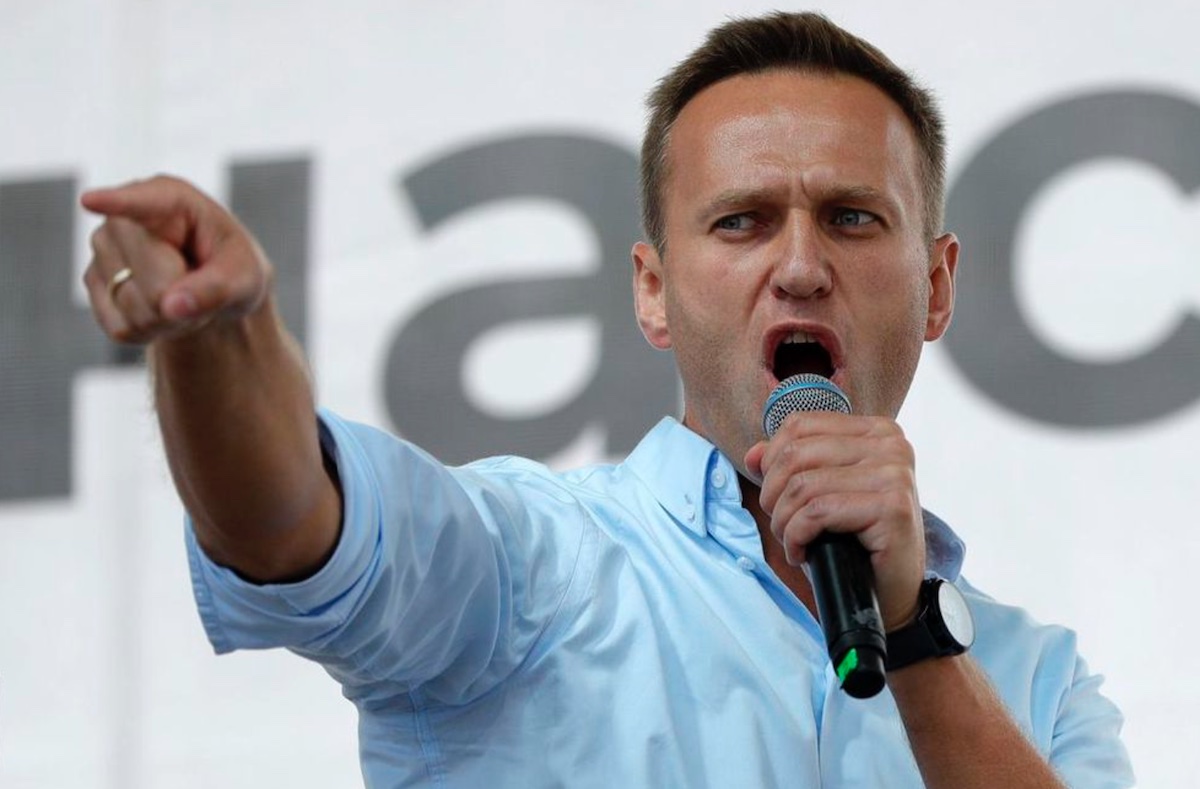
(792, 130)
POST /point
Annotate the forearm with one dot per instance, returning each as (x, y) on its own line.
(960, 732)
(238, 420)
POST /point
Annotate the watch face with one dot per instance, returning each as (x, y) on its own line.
(955, 614)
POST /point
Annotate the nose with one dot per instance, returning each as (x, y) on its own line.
(802, 267)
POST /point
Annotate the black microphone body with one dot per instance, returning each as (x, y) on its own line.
(839, 566)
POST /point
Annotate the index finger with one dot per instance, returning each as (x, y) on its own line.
(165, 205)
(820, 432)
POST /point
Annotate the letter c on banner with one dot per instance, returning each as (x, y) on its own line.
(990, 342)
(634, 385)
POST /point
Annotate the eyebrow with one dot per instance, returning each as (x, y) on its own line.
(732, 199)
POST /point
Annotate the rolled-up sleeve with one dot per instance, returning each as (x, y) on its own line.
(1045, 683)
(1086, 750)
(441, 577)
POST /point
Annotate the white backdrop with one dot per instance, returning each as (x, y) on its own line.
(105, 677)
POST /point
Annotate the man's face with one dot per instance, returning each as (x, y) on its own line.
(793, 213)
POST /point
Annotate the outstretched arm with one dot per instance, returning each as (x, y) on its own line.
(234, 399)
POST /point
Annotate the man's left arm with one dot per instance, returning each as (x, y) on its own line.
(851, 474)
(960, 731)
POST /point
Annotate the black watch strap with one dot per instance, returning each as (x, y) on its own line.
(910, 644)
(928, 636)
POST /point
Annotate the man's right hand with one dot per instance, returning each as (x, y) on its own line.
(190, 261)
(174, 270)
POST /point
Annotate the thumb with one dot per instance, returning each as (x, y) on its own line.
(232, 283)
(179, 304)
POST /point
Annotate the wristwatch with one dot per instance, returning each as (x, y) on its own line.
(943, 627)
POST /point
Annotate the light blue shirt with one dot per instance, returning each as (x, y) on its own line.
(500, 625)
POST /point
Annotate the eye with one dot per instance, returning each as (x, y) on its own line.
(735, 222)
(852, 217)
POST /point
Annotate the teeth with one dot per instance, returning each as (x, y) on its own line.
(799, 338)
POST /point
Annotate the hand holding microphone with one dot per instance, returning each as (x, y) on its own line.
(841, 494)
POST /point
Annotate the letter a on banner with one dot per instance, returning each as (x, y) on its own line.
(633, 386)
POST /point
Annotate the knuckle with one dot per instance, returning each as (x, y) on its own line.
(91, 277)
(124, 229)
(139, 321)
(153, 292)
(796, 487)
(123, 333)
(897, 477)
(790, 456)
(899, 501)
(901, 449)
(778, 529)
(97, 239)
(816, 509)
(798, 531)
(886, 426)
(767, 499)
(886, 431)
(795, 540)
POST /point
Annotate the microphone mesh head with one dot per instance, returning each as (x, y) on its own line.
(803, 392)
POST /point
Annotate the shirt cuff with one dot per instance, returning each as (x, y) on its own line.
(240, 614)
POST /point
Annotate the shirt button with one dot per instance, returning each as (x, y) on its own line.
(690, 512)
(746, 563)
(718, 478)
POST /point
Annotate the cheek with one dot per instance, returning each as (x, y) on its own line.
(703, 340)
(713, 290)
(691, 325)
(706, 314)
(902, 286)
(906, 314)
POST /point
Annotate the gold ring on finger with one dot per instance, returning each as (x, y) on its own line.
(119, 279)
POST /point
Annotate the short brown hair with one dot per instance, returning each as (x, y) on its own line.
(800, 41)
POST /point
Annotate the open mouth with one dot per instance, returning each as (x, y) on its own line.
(800, 352)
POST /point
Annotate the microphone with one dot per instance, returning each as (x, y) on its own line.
(839, 566)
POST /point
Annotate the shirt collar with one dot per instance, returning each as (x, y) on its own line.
(680, 468)
(673, 462)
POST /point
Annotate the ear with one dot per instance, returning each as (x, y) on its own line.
(649, 298)
(942, 265)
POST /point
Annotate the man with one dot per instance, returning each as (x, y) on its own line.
(650, 623)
